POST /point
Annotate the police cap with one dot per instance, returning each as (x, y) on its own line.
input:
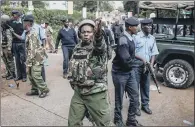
(146, 21)
(16, 12)
(132, 21)
(29, 18)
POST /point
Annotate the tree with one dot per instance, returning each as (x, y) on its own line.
(38, 4)
(106, 6)
(24, 3)
(121, 9)
(5, 2)
(131, 6)
(92, 6)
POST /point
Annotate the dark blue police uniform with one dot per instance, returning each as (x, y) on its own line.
(124, 76)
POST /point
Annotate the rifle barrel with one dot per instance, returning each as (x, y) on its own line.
(153, 76)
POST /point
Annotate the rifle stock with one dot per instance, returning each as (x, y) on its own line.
(153, 75)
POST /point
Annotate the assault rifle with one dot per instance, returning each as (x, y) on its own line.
(17, 83)
(153, 75)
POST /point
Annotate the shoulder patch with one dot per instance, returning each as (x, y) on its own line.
(123, 41)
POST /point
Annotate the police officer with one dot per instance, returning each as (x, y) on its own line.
(6, 48)
(90, 87)
(68, 38)
(108, 39)
(123, 74)
(117, 31)
(145, 51)
(18, 46)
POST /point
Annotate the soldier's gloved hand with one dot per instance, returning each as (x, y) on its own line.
(11, 30)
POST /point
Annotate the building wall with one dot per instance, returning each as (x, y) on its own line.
(15, 3)
(61, 5)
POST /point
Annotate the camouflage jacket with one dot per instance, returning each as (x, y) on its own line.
(89, 76)
(6, 39)
(35, 52)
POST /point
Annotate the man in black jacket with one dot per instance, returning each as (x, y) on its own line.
(69, 39)
(18, 46)
(117, 30)
(108, 39)
(123, 75)
(108, 34)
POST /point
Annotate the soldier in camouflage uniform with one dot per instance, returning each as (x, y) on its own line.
(88, 78)
(6, 48)
(35, 59)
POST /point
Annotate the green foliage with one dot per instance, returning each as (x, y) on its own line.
(38, 4)
(92, 6)
(106, 6)
(131, 6)
(52, 16)
(121, 9)
(5, 2)
(24, 3)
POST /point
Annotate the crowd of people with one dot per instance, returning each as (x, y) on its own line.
(86, 49)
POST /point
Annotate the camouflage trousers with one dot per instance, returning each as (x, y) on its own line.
(49, 43)
(9, 61)
(96, 104)
(36, 79)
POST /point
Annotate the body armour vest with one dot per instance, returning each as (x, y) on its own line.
(85, 69)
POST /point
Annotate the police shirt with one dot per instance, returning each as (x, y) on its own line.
(145, 46)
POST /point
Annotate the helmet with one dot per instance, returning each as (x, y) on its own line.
(5, 18)
(86, 21)
(29, 18)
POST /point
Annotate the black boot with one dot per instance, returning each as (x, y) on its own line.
(44, 93)
(24, 79)
(5, 75)
(138, 112)
(18, 78)
(147, 110)
(9, 77)
(32, 93)
(133, 123)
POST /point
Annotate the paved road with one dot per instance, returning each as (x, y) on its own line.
(169, 108)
